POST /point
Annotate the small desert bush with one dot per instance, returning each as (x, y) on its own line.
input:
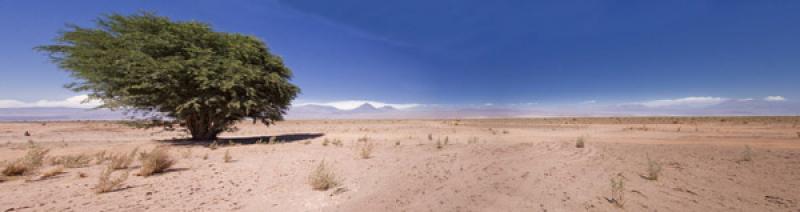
(747, 154)
(53, 172)
(156, 161)
(213, 145)
(72, 161)
(653, 169)
(227, 158)
(337, 142)
(617, 191)
(430, 137)
(121, 160)
(580, 143)
(472, 140)
(439, 144)
(106, 183)
(325, 142)
(322, 178)
(366, 150)
(101, 157)
(32, 160)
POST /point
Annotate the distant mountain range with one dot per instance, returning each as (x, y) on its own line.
(369, 111)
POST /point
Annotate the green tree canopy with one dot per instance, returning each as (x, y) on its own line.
(175, 73)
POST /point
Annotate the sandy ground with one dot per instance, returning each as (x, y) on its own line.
(487, 165)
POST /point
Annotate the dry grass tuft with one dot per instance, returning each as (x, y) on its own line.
(52, 172)
(227, 158)
(323, 178)
(366, 150)
(439, 144)
(337, 142)
(72, 161)
(106, 183)
(101, 157)
(205, 157)
(653, 169)
(618, 191)
(213, 145)
(123, 161)
(31, 161)
(580, 143)
(156, 161)
(325, 142)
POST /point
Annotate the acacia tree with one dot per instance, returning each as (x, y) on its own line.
(175, 74)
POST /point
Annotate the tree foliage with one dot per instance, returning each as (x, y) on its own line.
(175, 73)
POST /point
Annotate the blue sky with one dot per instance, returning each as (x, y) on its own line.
(466, 51)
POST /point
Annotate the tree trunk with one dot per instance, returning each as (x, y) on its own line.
(202, 129)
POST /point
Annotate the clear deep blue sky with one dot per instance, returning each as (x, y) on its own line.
(465, 51)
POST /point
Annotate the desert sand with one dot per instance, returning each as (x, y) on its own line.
(484, 165)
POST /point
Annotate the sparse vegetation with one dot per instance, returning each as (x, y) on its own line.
(323, 178)
(325, 142)
(366, 149)
(747, 154)
(101, 157)
(31, 161)
(213, 145)
(105, 181)
(121, 160)
(618, 191)
(653, 169)
(430, 137)
(227, 157)
(156, 161)
(580, 142)
(57, 170)
(439, 144)
(71, 161)
(337, 142)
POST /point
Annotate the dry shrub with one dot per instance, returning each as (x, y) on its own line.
(106, 183)
(617, 191)
(653, 169)
(439, 144)
(72, 161)
(337, 142)
(472, 140)
(156, 161)
(213, 145)
(366, 150)
(580, 143)
(101, 157)
(31, 161)
(325, 142)
(121, 160)
(205, 157)
(227, 158)
(430, 137)
(323, 178)
(53, 172)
